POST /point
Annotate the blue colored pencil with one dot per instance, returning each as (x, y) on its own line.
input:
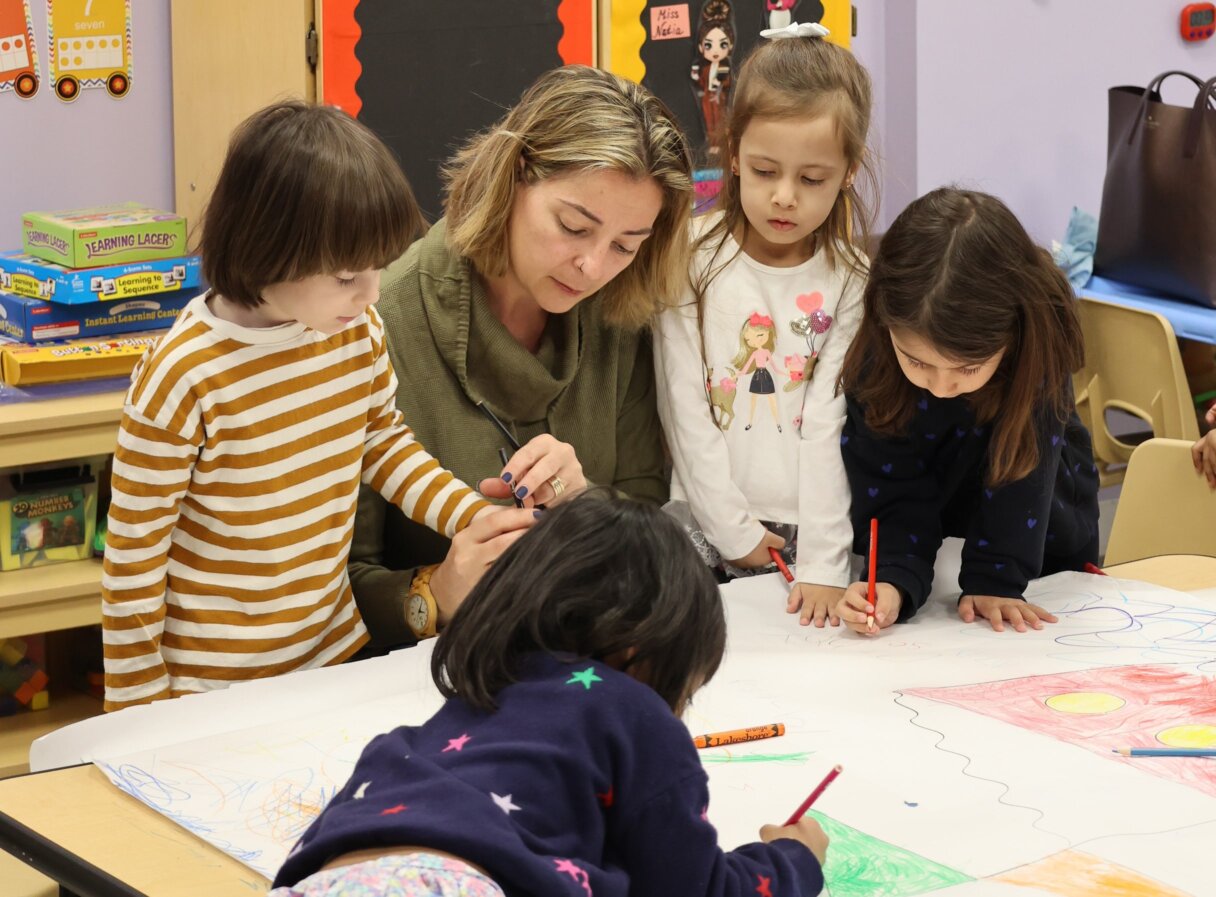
(1165, 752)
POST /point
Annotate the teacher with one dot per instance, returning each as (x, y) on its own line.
(565, 231)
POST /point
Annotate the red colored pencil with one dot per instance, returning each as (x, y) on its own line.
(814, 795)
(873, 582)
(785, 571)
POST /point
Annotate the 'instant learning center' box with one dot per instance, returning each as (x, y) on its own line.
(33, 320)
(106, 235)
(28, 275)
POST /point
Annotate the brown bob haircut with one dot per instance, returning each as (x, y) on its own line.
(575, 119)
(958, 270)
(304, 190)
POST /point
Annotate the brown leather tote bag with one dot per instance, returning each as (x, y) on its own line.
(1157, 228)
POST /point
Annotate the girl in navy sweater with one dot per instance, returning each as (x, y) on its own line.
(559, 765)
(961, 419)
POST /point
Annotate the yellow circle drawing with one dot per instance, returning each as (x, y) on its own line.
(1085, 702)
(1189, 736)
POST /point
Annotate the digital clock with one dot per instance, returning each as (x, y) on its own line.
(1198, 21)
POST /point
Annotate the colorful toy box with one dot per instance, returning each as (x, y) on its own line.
(47, 516)
(33, 320)
(106, 235)
(80, 359)
(23, 678)
(28, 275)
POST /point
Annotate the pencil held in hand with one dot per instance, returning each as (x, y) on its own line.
(814, 795)
(872, 583)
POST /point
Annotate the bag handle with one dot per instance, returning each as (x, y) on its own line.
(1154, 87)
(1194, 126)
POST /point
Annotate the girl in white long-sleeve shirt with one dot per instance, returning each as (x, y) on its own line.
(747, 365)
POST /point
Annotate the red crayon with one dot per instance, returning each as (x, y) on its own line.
(814, 795)
(873, 582)
(785, 571)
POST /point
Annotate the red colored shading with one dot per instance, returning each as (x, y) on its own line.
(578, 35)
(341, 68)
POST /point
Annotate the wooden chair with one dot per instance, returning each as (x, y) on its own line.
(1132, 364)
(1164, 506)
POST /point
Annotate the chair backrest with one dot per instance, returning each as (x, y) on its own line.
(1164, 507)
(1132, 364)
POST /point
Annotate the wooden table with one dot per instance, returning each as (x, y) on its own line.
(74, 826)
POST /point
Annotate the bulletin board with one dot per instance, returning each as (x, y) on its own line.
(425, 75)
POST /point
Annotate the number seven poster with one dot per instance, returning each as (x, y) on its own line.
(90, 43)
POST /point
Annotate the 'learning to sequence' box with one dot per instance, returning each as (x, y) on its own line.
(106, 235)
(28, 275)
(29, 320)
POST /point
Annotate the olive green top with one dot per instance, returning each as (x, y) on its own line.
(588, 384)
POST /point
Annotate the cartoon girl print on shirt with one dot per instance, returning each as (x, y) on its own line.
(711, 66)
(757, 340)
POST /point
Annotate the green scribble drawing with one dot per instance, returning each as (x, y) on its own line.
(756, 758)
(860, 865)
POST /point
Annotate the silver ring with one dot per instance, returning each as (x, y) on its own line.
(556, 484)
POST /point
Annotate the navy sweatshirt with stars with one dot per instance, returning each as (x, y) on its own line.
(930, 483)
(582, 784)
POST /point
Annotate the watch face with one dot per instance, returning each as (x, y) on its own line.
(416, 613)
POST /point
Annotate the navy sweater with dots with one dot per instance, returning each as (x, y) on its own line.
(930, 483)
(582, 782)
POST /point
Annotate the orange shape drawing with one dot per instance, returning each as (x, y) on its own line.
(1074, 873)
(577, 44)
(1149, 706)
(341, 68)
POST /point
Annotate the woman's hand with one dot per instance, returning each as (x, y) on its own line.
(818, 603)
(854, 611)
(473, 550)
(530, 473)
(998, 611)
(759, 556)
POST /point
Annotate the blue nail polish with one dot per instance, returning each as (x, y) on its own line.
(521, 492)
(538, 514)
(506, 476)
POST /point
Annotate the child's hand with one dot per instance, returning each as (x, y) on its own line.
(806, 830)
(818, 603)
(759, 556)
(1203, 454)
(853, 608)
(997, 610)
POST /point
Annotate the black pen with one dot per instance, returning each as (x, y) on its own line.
(501, 426)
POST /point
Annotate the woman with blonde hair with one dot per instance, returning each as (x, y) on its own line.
(518, 322)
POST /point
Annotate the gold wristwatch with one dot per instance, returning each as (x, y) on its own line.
(421, 611)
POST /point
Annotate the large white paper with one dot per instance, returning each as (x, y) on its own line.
(937, 785)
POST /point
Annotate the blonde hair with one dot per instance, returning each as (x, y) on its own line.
(576, 119)
(745, 351)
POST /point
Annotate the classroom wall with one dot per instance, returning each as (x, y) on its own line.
(1010, 95)
(56, 155)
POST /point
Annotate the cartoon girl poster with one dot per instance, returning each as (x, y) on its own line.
(711, 66)
(757, 340)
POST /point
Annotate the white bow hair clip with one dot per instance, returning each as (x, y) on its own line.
(794, 29)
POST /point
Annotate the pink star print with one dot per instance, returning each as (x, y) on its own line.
(705, 813)
(456, 744)
(393, 811)
(576, 873)
(606, 798)
(762, 889)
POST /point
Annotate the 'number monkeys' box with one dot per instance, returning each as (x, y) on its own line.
(28, 275)
(106, 235)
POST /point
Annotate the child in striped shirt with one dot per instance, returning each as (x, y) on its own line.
(250, 425)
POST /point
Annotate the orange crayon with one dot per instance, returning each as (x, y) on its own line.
(738, 736)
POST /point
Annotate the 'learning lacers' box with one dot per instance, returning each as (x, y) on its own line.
(106, 235)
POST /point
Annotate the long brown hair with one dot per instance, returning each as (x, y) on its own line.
(958, 270)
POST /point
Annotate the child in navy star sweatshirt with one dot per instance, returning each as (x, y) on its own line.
(558, 765)
(960, 415)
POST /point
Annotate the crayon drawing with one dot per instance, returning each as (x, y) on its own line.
(1073, 873)
(1103, 709)
(863, 866)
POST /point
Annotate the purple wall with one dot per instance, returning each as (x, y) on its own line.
(56, 155)
(1010, 95)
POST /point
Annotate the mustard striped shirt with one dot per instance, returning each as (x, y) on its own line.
(235, 483)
